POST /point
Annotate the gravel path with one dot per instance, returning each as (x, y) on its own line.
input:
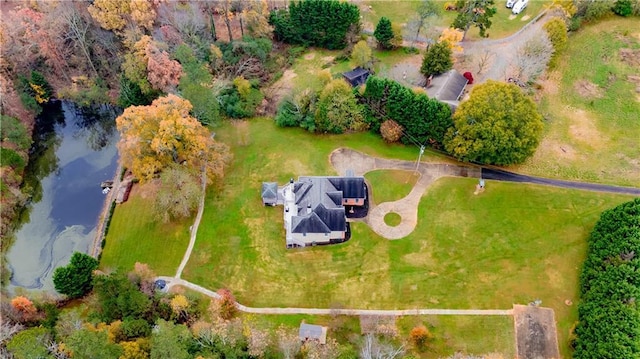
(194, 228)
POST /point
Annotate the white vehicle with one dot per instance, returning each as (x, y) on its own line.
(519, 6)
(510, 3)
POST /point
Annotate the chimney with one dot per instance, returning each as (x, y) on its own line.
(309, 208)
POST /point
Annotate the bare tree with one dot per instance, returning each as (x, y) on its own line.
(426, 10)
(372, 348)
(288, 343)
(77, 29)
(483, 60)
(532, 58)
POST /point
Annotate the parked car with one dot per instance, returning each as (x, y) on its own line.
(519, 6)
(510, 3)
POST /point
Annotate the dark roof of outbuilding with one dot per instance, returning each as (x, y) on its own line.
(269, 190)
(448, 86)
(309, 331)
(355, 73)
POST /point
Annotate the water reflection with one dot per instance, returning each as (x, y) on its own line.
(75, 151)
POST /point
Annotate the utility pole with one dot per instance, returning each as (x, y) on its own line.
(419, 157)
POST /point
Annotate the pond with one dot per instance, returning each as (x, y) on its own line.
(74, 151)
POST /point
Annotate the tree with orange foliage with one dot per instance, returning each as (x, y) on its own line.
(24, 305)
(419, 336)
(116, 14)
(154, 137)
(452, 37)
(226, 304)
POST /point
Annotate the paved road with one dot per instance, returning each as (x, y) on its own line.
(500, 175)
(171, 281)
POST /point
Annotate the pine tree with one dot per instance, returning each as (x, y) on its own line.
(384, 34)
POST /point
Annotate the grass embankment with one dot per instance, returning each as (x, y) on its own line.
(512, 244)
(592, 108)
(135, 235)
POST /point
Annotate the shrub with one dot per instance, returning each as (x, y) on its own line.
(12, 130)
(556, 29)
(227, 308)
(11, 158)
(623, 8)
(467, 75)
(391, 131)
(419, 336)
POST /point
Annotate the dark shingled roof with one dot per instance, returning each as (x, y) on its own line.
(309, 331)
(447, 87)
(269, 190)
(351, 187)
(357, 76)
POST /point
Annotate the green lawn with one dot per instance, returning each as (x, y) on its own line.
(512, 244)
(390, 185)
(477, 335)
(135, 236)
(401, 12)
(592, 109)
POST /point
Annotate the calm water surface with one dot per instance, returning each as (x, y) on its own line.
(74, 151)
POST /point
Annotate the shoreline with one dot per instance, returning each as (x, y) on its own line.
(96, 248)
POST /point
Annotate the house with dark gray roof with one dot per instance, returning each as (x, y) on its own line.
(447, 88)
(269, 193)
(314, 208)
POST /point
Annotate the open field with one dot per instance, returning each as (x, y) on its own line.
(401, 12)
(592, 108)
(135, 236)
(512, 244)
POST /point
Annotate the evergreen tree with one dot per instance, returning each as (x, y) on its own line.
(437, 59)
(384, 34)
(75, 280)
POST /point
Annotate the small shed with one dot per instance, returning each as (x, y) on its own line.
(269, 193)
(357, 76)
(313, 332)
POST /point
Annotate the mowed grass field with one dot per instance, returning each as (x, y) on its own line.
(135, 235)
(402, 12)
(592, 108)
(514, 243)
(390, 185)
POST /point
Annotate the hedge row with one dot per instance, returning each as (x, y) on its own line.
(425, 120)
(609, 315)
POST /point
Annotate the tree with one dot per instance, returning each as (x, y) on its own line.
(256, 16)
(476, 13)
(227, 308)
(179, 193)
(93, 344)
(337, 109)
(162, 72)
(623, 8)
(452, 37)
(117, 14)
(74, 280)
(288, 343)
(391, 131)
(556, 29)
(133, 350)
(30, 343)
(361, 55)
(170, 341)
(498, 125)
(118, 298)
(428, 9)
(437, 59)
(384, 34)
(532, 57)
(163, 133)
(373, 348)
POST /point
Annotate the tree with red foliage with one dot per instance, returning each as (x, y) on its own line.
(162, 72)
(467, 75)
(226, 304)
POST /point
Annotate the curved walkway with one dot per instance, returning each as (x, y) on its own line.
(317, 311)
(196, 224)
(344, 159)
